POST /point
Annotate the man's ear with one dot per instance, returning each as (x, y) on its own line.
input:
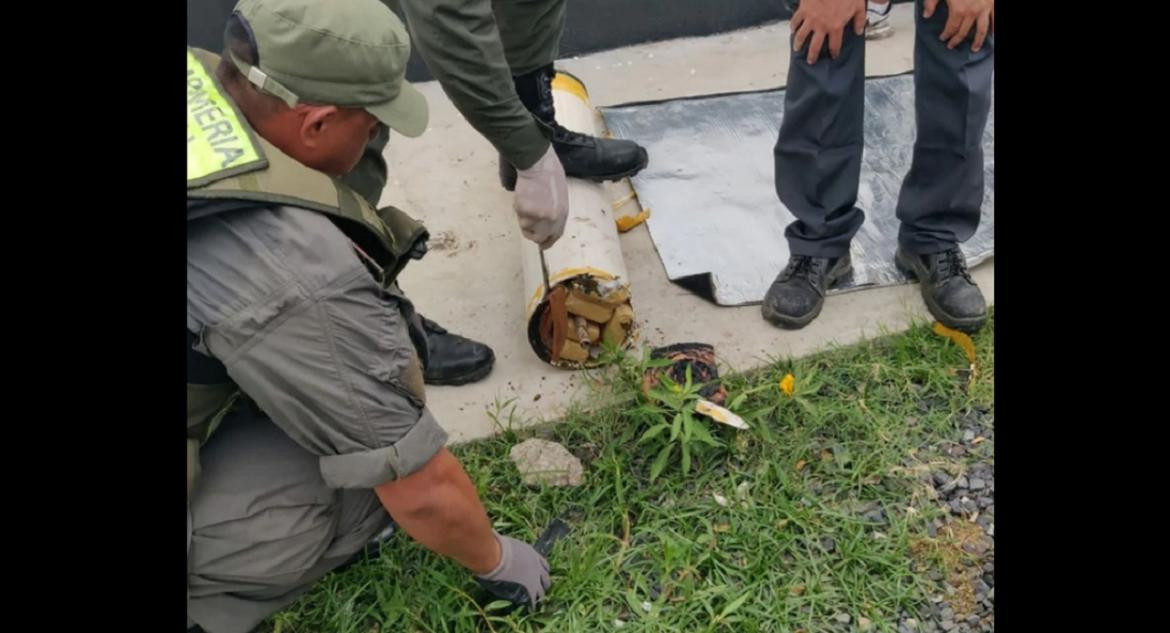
(314, 122)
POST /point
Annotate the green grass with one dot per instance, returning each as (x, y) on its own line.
(861, 432)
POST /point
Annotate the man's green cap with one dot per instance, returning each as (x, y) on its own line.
(347, 53)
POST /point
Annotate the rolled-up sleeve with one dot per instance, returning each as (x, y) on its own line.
(305, 331)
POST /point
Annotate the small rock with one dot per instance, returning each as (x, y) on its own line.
(973, 620)
(947, 614)
(829, 544)
(947, 625)
(544, 462)
(935, 575)
(963, 483)
(875, 516)
(968, 435)
(940, 477)
(978, 484)
(843, 618)
(617, 624)
(720, 499)
(991, 594)
(981, 586)
(991, 530)
(646, 606)
(864, 624)
(910, 623)
(932, 530)
(984, 502)
(956, 506)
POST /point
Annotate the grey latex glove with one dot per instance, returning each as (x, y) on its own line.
(522, 575)
(542, 200)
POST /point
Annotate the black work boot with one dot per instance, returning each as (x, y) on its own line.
(454, 360)
(582, 156)
(947, 287)
(798, 294)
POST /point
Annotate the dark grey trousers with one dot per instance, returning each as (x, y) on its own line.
(265, 526)
(818, 152)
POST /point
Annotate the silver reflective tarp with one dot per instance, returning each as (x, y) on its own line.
(715, 218)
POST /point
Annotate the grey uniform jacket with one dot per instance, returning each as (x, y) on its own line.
(280, 297)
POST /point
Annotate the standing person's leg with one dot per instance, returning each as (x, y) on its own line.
(530, 31)
(818, 167)
(939, 205)
(265, 526)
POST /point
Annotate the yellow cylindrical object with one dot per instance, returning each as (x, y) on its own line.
(587, 259)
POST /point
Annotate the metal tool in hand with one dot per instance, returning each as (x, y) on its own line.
(544, 271)
(555, 530)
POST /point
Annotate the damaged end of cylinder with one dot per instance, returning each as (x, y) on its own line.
(570, 327)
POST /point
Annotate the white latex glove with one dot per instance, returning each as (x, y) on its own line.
(542, 200)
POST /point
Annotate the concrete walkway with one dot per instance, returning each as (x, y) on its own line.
(471, 280)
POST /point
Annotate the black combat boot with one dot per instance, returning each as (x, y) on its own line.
(454, 360)
(582, 156)
(798, 294)
(950, 293)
